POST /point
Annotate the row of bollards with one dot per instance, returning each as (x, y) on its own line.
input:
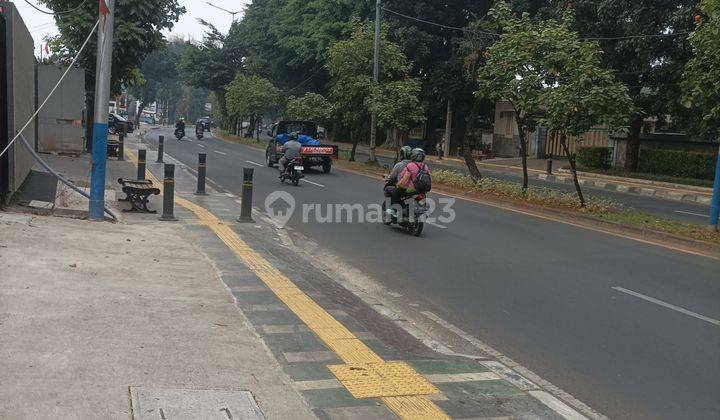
(169, 184)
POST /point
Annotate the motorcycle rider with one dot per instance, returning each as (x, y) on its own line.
(200, 126)
(180, 126)
(408, 175)
(292, 150)
(392, 178)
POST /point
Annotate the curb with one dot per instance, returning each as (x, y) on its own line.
(643, 191)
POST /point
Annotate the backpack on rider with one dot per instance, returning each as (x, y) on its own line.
(419, 174)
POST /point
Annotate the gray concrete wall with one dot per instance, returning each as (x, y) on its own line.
(60, 121)
(21, 93)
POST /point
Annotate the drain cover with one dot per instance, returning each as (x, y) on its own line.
(183, 404)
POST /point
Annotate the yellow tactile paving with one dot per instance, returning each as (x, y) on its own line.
(365, 375)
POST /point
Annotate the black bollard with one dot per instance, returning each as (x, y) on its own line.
(549, 167)
(142, 153)
(161, 149)
(121, 148)
(247, 190)
(202, 171)
(169, 194)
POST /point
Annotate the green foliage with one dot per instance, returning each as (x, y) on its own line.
(701, 80)
(594, 157)
(250, 96)
(550, 76)
(350, 66)
(138, 32)
(397, 105)
(679, 164)
(310, 107)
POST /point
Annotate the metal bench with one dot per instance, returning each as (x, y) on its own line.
(137, 193)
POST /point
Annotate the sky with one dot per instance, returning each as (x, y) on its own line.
(41, 25)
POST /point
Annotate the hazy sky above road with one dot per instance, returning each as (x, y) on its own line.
(41, 25)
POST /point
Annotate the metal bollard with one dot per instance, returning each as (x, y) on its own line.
(169, 194)
(142, 160)
(549, 167)
(121, 148)
(161, 149)
(202, 171)
(247, 190)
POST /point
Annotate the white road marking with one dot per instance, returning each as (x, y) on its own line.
(314, 183)
(691, 213)
(201, 145)
(437, 225)
(668, 305)
(220, 153)
(254, 163)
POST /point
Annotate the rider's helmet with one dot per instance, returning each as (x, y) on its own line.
(417, 155)
(405, 152)
(294, 135)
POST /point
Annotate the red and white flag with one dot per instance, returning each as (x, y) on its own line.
(47, 49)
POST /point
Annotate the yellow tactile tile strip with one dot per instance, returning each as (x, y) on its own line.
(365, 374)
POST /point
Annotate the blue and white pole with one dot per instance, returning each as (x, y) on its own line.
(102, 100)
(715, 208)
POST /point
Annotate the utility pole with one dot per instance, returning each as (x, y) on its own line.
(376, 81)
(715, 205)
(448, 128)
(102, 99)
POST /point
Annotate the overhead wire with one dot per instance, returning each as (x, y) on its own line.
(63, 12)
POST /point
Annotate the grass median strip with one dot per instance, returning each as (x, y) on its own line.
(364, 373)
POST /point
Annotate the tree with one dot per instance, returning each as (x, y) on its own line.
(397, 107)
(138, 32)
(701, 80)
(350, 67)
(645, 43)
(250, 96)
(580, 93)
(550, 76)
(310, 107)
(159, 70)
(213, 64)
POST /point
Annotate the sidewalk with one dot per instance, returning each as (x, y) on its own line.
(537, 170)
(92, 312)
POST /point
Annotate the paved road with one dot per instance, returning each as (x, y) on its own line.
(630, 329)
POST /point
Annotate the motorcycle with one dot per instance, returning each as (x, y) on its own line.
(179, 133)
(412, 217)
(199, 132)
(293, 171)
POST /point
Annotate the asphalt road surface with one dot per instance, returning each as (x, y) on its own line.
(630, 329)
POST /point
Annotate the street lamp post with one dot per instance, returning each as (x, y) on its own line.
(376, 80)
(225, 10)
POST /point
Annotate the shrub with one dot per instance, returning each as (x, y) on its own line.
(679, 164)
(594, 157)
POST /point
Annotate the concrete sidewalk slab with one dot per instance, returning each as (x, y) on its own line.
(88, 310)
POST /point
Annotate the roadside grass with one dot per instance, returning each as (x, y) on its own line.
(651, 222)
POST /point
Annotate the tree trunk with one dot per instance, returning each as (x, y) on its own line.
(140, 110)
(573, 168)
(354, 139)
(632, 148)
(523, 156)
(467, 146)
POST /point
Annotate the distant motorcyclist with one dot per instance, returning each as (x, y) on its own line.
(292, 150)
(199, 126)
(180, 128)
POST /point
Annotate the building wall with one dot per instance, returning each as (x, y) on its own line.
(20, 93)
(60, 121)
